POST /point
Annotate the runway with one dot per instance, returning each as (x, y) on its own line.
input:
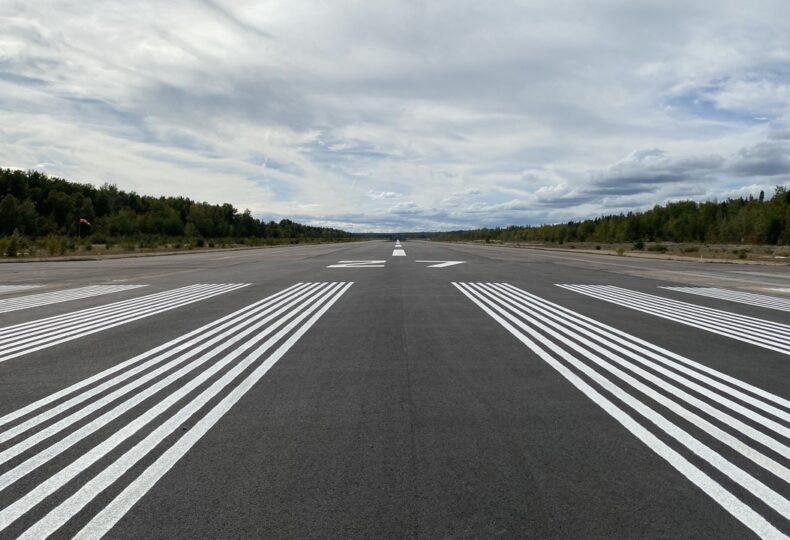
(374, 389)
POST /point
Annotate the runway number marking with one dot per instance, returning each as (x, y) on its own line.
(441, 264)
(358, 264)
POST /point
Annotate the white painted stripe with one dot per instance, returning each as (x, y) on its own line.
(614, 337)
(16, 288)
(119, 506)
(46, 526)
(398, 253)
(766, 334)
(21, 470)
(43, 335)
(568, 327)
(43, 299)
(761, 300)
(105, 323)
(74, 317)
(179, 344)
(650, 349)
(212, 337)
(713, 489)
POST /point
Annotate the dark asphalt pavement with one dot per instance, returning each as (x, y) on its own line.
(288, 393)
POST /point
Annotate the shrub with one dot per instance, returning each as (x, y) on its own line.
(639, 244)
(620, 251)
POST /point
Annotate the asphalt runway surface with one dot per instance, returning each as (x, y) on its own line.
(369, 390)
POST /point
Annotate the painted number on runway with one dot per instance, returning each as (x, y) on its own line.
(358, 264)
(441, 264)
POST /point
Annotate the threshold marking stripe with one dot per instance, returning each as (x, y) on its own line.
(25, 338)
(597, 358)
(230, 355)
(15, 288)
(763, 333)
(760, 300)
(54, 297)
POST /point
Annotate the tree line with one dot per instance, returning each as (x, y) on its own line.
(745, 220)
(34, 205)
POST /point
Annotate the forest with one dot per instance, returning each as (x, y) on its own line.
(752, 220)
(38, 211)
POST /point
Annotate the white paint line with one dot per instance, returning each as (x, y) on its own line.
(216, 335)
(122, 503)
(177, 345)
(358, 264)
(760, 300)
(103, 324)
(766, 334)
(746, 480)
(713, 489)
(536, 313)
(441, 264)
(44, 299)
(398, 253)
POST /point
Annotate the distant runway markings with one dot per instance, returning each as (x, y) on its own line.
(43, 299)
(235, 355)
(441, 264)
(14, 288)
(766, 334)
(33, 336)
(584, 351)
(760, 300)
(358, 264)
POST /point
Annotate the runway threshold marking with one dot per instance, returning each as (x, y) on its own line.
(25, 338)
(15, 288)
(54, 297)
(358, 264)
(759, 332)
(595, 357)
(163, 388)
(759, 300)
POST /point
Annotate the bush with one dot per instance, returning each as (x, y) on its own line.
(620, 251)
(200, 242)
(639, 244)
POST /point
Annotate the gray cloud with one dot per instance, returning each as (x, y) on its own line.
(478, 114)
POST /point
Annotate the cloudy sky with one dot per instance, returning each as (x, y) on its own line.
(402, 115)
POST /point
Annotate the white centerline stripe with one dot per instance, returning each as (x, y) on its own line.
(397, 252)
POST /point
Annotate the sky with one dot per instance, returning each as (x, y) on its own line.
(402, 115)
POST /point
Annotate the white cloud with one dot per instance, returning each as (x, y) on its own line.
(479, 114)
